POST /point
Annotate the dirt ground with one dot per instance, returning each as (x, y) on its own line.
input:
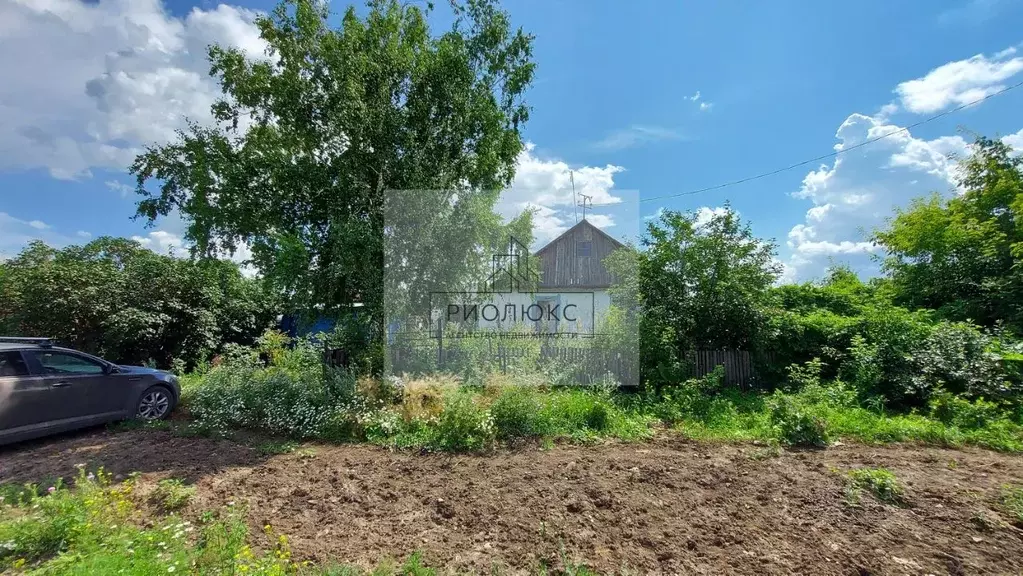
(668, 506)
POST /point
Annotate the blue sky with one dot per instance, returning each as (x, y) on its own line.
(615, 100)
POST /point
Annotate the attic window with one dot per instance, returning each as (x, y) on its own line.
(583, 248)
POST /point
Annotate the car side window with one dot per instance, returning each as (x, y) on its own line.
(63, 363)
(12, 364)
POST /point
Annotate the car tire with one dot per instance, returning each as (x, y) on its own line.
(155, 403)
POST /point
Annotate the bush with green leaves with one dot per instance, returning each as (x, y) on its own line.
(957, 358)
(794, 422)
(518, 413)
(966, 414)
(297, 396)
(464, 424)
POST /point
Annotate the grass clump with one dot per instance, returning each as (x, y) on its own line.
(880, 482)
(276, 447)
(171, 494)
(1012, 500)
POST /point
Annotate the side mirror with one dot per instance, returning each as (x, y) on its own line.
(112, 369)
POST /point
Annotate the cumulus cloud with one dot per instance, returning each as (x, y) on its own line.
(704, 214)
(958, 83)
(854, 195)
(1016, 141)
(545, 186)
(94, 81)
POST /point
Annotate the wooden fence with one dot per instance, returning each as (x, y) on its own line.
(738, 365)
(586, 363)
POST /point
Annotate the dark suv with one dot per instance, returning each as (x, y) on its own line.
(45, 389)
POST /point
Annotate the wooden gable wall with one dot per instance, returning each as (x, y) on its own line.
(564, 262)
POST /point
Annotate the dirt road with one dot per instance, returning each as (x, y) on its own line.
(668, 506)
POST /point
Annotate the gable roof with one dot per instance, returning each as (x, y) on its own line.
(583, 222)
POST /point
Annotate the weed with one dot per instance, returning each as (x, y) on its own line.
(171, 494)
(274, 447)
(880, 482)
(795, 424)
(1012, 500)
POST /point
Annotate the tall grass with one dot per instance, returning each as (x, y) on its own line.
(296, 397)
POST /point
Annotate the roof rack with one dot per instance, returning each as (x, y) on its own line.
(41, 342)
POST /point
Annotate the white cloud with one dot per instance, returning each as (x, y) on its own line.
(601, 221)
(704, 214)
(857, 192)
(656, 215)
(123, 189)
(163, 242)
(960, 82)
(94, 81)
(83, 234)
(694, 97)
(637, 135)
(16, 233)
(1015, 140)
(545, 185)
(704, 106)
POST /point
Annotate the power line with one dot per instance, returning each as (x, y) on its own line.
(835, 153)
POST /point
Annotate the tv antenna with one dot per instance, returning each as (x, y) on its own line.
(586, 203)
(575, 201)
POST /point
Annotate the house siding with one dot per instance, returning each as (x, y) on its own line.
(564, 263)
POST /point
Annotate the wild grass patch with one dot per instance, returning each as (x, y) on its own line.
(880, 482)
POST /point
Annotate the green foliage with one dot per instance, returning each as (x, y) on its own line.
(958, 358)
(464, 424)
(795, 424)
(333, 119)
(116, 299)
(518, 413)
(172, 494)
(880, 482)
(296, 396)
(963, 413)
(961, 255)
(702, 286)
(880, 356)
(1012, 500)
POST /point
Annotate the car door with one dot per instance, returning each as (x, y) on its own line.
(84, 391)
(24, 397)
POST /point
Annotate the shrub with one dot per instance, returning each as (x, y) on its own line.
(794, 423)
(880, 361)
(806, 374)
(963, 413)
(880, 482)
(296, 397)
(518, 412)
(463, 424)
(955, 358)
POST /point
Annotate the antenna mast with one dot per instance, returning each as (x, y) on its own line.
(586, 203)
(575, 201)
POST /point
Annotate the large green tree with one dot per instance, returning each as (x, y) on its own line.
(702, 285)
(311, 140)
(963, 255)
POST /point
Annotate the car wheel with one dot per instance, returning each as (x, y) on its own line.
(154, 404)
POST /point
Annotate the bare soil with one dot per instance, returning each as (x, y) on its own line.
(668, 506)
